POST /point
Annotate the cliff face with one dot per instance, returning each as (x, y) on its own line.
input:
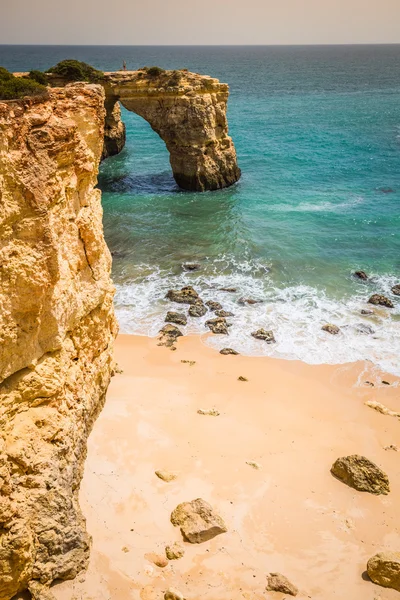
(188, 111)
(114, 132)
(57, 328)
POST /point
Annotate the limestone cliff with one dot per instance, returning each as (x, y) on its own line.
(57, 328)
(114, 132)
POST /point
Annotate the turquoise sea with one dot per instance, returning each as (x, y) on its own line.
(317, 131)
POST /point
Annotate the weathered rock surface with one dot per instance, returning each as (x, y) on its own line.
(218, 325)
(396, 289)
(198, 521)
(177, 318)
(228, 351)
(175, 551)
(57, 329)
(280, 583)
(114, 132)
(223, 313)
(212, 305)
(361, 474)
(330, 328)
(379, 299)
(168, 336)
(266, 336)
(187, 295)
(173, 594)
(384, 569)
(198, 309)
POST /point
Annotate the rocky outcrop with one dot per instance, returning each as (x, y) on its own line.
(361, 474)
(379, 299)
(114, 131)
(384, 569)
(57, 328)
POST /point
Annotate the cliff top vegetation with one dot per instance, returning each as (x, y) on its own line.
(75, 70)
(13, 88)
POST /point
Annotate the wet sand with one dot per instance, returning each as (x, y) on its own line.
(291, 515)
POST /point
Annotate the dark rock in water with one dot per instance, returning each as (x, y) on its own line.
(396, 289)
(266, 336)
(218, 325)
(367, 311)
(228, 289)
(244, 301)
(187, 295)
(223, 313)
(214, 305)
(384, 569)
(386, 190)
(361, 275)
(174, 317)
(364, 328)
(381, 300)
(361, 474)
(168, 336)
(191, 266)
(333, 329)
(118, 254)
(228, 351)
(197, 310)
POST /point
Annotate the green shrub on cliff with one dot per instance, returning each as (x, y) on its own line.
(13, 88)
(38, 76)
(75, 70)
(154, 71)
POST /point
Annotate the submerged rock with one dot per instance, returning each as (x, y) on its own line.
(213, 305)
(168, 336)
(333, 329)
(187, 295)
(361, 275)
(367, 311)
(175, 551)
(364, 329)
(263, 334)
(384, 569)
(228, 289)
(223, 313)
(174, 317)
(218, 326)
(191, 266)
(396, 289)
(361, 474)
(228, 351)
(244, 301)
(379, 299)
(197, 310)
(198, 521)
(280, 583)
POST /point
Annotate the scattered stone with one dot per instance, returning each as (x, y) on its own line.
(213, 305)
(187, 295)
(228, 289)
(211, 412)
(189, 362)
(396, 289)
(361, 275)
(241, 378)
(364, 329)
(249, 301)
(157, 559)
(198, 521)
(174, 317)
(224, 313)
(382, 409)
(266, 336)
(385, 382)
(175, 551)
(166, 476)
(333, 329)
(168, 336)
(381, 300)
(367, 311)
(218, 325)
(197, 310)
(173, 594)
(191, 266)
(369, 383)
(280, 583)
(228, 351)
(125, 549)
(361, 474)
(253, 464)
(392, 447)
(384, 569)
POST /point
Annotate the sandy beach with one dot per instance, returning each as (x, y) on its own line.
(288, 515)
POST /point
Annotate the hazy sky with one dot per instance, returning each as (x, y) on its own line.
(199, 21)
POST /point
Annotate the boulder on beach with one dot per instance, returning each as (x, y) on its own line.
(173, 594)
(198, 521)
(361, 275)
(174, 551)
(361, 474)
(330, 328)
(384, 569)
(279, 583)
(168, 336)
(396, 289)
(213, 305)
(228, 351)
(175, 317)
(223, 313)
(263, 334)
(379, 299)
(191, 266)
(218, 325)
(187, 295)
(198, 309)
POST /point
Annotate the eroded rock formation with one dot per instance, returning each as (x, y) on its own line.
(114, 131)
(57, 328)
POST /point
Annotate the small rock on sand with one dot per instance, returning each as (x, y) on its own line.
(198, 521)
(379, 299)
(330, 328)
(384, 569)
(157, 559)
(187, 295)
(177, 318)
(361, 474)
(384, 410)
(198, 309)
(166, 476)
(228, 351)
(218, 326)
(210, 412)
(392, 447)
(253, 464)
(175, 551)
(241, 378)
(213, 305)
(188, 362)
(168, 336)
(173, 594)
(266, 336)
(280, 583)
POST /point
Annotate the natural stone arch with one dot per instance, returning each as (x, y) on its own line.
(188, 111)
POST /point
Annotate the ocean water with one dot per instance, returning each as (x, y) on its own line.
(317, 132)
